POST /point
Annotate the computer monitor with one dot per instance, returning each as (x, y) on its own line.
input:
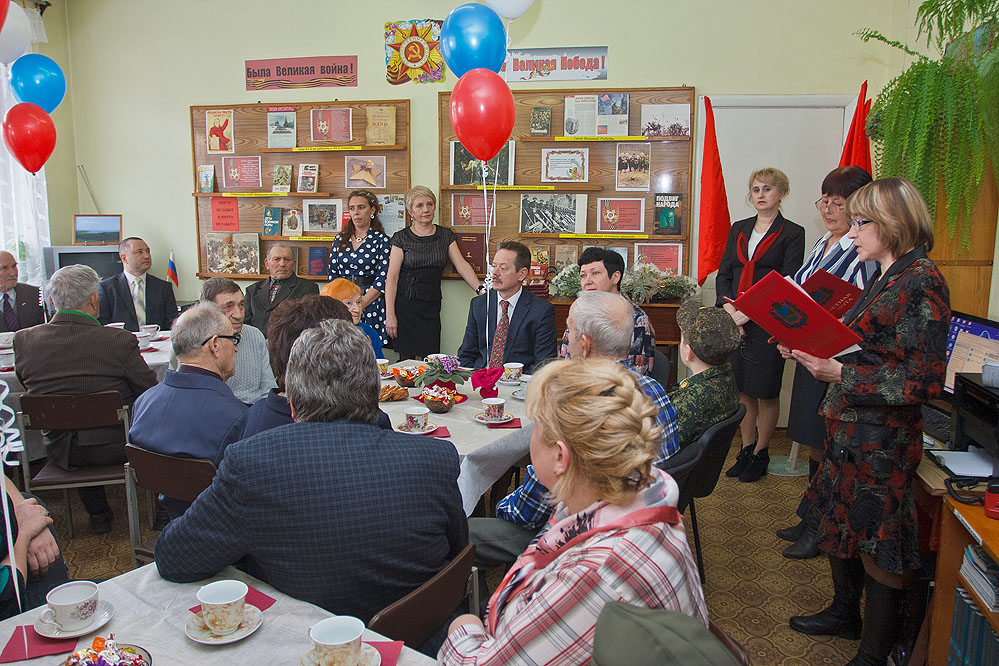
(971, 342)
(103, 259)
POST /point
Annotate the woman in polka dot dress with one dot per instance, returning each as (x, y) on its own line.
(360, 254)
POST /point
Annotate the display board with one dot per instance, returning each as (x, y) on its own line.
(608, 167)
(265, 173)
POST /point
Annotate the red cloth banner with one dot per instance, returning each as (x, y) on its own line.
(714, 221)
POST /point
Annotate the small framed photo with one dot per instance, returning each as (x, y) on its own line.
(323, 215)
(96, 229)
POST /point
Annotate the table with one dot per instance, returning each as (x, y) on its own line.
(152, 612)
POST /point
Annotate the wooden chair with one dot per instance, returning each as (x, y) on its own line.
(180, 478)
(71, 412)
(414, 618)
(730, 643)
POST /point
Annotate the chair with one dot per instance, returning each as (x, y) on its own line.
(180, 478)
(414, 618)
(682, 463)
(660, 369)
(730, 643)
(71, 412)
(715, 443)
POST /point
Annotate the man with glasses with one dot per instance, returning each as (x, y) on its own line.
(193, 413)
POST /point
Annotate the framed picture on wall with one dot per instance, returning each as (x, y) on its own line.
(96, 229)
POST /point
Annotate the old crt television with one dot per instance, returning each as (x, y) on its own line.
(102, 258)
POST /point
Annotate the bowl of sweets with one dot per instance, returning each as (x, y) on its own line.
(407, 374)
(438, 399)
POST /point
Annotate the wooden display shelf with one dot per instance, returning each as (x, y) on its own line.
(594, 139)
(256, 276)
(341, 148)
(557, 187)
(992, 617)
(263, 195)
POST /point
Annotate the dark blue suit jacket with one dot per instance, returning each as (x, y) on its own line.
(117, 305)
(342, 515)
(530, 339)
(273, 410)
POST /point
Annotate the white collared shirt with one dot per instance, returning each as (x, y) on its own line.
(513, 304)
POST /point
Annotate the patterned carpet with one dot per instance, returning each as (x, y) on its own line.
(751, 590)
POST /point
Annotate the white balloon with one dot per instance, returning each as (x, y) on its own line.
(15, 36)
(510, 9)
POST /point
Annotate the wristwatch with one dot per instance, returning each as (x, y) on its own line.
(481, 289)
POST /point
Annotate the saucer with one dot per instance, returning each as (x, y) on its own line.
(402, 427)
(369, 657)
(520, 394)
(141, 651)
(509, 382)
(481, 418)
(198, 632)
(103, 614)
(161, 338)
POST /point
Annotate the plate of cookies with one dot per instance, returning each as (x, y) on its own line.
(392, 393)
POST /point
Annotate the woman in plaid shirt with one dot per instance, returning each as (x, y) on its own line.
(615, 536)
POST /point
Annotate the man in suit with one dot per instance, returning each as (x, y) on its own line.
(74, 354)
(22, 304)
(262, 297)
(329, 509)
(519, 326)
(133, 296)
(193, 413)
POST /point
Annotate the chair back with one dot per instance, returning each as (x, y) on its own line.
(180, 478)
(682, 463)
(730, 643)
(414, 618)
(715, 443)
(660, 369)
(73, 412)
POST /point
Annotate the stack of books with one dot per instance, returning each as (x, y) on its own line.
(982, 574)
(972, 639)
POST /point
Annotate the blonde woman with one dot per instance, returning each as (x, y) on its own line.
(616, 534)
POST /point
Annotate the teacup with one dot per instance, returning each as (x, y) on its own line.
(6, 340)
(434, 357)
(144, 339)
(416, 418)
(71, 606)
(6, 358)
(116, 324)
(337, 640)
(152, 329)
(382, 365)
(512, 371)
(222, 604)
(494, 408)
(525, 379)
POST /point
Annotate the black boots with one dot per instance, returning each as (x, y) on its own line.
(741, 460)
(805, 533)
(842, 618)
(757, 467)
(792, 533)
(881, 623)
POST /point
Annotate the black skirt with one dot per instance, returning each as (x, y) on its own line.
(757, 365)
(419, 322)
(804, 423)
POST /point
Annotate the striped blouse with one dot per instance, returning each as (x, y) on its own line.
(842, 261)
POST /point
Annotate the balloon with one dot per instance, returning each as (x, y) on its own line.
(29, 134)
(482, 112)
(15, 35)
(473, 36)
(37, 79)
(4, 6)
(510, 9)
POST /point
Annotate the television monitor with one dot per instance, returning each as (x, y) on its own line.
(103, 259)
(971, 342)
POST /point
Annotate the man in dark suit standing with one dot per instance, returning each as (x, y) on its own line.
(330, 509)
(22, 304)
(133, 296)
(262, 297)
(74, 354)
(519, 328)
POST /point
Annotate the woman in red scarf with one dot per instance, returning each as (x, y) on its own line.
(757, 245)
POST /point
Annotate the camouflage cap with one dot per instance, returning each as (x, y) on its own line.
(709, 331)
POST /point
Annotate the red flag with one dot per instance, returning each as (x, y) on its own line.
(714, 221)
(857, 149)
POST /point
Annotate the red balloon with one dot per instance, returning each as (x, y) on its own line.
(29, 134)
(482, 112)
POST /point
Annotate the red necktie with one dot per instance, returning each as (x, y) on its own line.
(499, 340)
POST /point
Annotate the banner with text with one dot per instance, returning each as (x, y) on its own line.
(313, 72)
(580, 63)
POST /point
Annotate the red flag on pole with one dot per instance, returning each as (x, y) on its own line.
(857, 149)
(714, 221)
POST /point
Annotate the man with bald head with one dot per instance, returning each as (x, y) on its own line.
(133, 296)
(262, 297)
(22, 304)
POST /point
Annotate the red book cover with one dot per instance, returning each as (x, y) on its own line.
(473, 249)
(782, 309)
(834, 294)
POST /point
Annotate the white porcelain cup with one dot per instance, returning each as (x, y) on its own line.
(416, 418)
(144, 339)
(222, 604)
(71, 606)
(6, 358)
(152, 329)
(337, 640)
(525, 379)
(116, 324)
(494, 409)
(512, 371)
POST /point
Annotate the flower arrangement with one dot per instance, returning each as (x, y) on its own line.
(645, 282)
(443, 369)
(567, 281)
(407, 375)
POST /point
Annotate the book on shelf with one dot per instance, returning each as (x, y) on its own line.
(541, 120)
(669, 214)
(473, 249)
(308, 178)
(272, 221)
(317, 259)
(380, 128)
(281, 127)
(540, 260)
(784, 310)
(982, 575)
(834, 294)
(206, 178)
(291, 222)
(282, 178)
(973, 641)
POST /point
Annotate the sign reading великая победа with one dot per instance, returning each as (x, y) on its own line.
(572, 63)
(312, 72)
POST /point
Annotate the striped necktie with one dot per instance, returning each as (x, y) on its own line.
(140, 302)
(9, 316)
(499, 340)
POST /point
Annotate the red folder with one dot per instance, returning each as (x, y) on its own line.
(783, 309)
(834, 294)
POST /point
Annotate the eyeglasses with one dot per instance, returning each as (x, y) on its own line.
(234, 338)
(825, 203)
(859, 223)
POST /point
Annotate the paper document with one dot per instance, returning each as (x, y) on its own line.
(973, 462)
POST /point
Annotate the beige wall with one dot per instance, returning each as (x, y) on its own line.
(134, 68)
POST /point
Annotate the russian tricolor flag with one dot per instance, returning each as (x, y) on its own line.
(172, 271)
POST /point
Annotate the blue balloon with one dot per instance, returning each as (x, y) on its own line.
(37, 79)
(472, 37)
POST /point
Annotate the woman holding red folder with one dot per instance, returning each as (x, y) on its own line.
(757, 245)
(873, 420)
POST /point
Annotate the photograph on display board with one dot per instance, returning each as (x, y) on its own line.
(246, 251)
(634, 162)
(621, 215)
(361, 171)
(544, 213)
(322, 215)
(564, 255)
(668, 220)
(281, 127)
(332, 124)
(219, 125)
(665, 256)
(241, 172)
(666, 119)
(612, 114)
(466, 169)
(237, 253)
(469, 210)
(620, 249)
(393, 212)
(565, 165)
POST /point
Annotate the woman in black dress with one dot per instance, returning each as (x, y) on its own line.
(413, 288)
(756, 246)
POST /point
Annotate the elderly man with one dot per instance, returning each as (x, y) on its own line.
(601, 269)
(600, 326)
(22, 303)
(193, 413)
(262, 297)
(133, 296)
(253, 378)
(329, 509)
(74, 354)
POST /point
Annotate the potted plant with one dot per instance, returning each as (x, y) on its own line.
(643, 283)
(443, 370)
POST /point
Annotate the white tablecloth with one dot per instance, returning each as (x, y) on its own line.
(152, 613)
